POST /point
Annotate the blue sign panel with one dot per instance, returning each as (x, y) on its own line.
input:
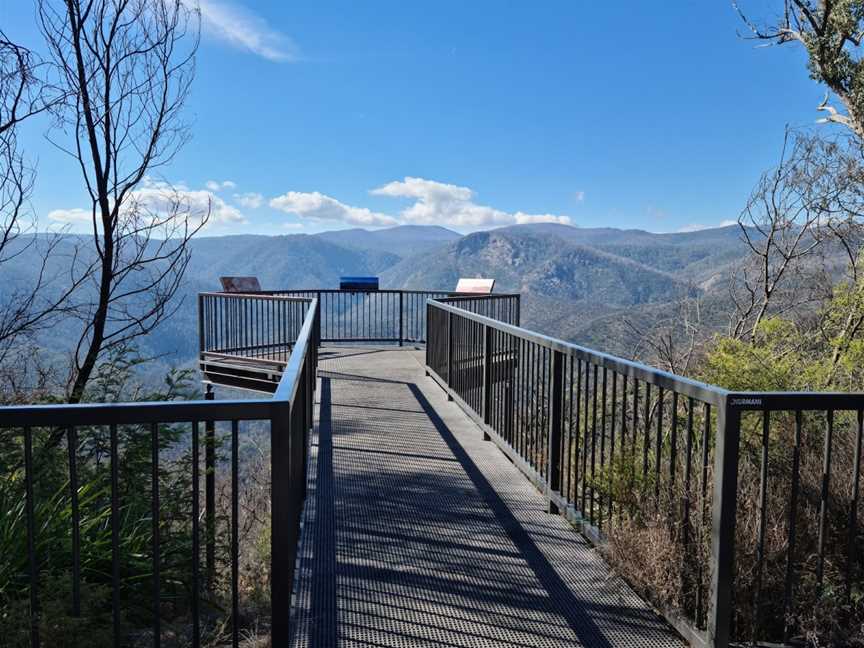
(358, 283)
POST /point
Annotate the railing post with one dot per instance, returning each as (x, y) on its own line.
(320, 310)
(487, 377)
(309, 399)
(401, 307)
(210, 494)
(200, 325)
(556, 406)
(283, 534)
(726, 448)
(449, 353)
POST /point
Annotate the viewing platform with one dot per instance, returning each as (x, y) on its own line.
(416, 532)
(433, 474)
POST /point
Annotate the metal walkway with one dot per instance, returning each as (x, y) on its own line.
(418, 533)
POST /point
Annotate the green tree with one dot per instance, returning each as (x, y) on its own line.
(832, 33)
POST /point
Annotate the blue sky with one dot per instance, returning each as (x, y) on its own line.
(319, 115)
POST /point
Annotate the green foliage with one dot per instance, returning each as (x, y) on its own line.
(824, 351)
(831, 33)
(53, 515)
(834, 58)
(772, 362)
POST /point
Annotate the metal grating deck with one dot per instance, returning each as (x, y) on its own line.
(418, 533)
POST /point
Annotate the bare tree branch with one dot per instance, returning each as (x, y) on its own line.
(126, 66)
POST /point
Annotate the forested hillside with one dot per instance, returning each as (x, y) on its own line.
(578, 284)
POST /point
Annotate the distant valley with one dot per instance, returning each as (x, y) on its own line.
(579, 284)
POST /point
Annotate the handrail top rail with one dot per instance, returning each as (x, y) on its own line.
(667, 380)
(281, 292)
(135, 413)
(791, 401)
(248, 293)
(740, 400)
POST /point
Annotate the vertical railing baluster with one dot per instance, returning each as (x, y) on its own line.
(688, 473)
(577, 433)
(635, 431)
(603, 429)
(853, 506)
(487, 376)
(586, 431)
(201, 321)
(115, 535)
(154, 530)
(788, 585)
(196, 537)
(450, 376)
(401, 317)
(571, 361)
(763, 502)
(611, 470)
(646, 422)
(210, 495)
(32, 564)
(703, 510)
(235, 535)
(823, 497)
(72, 449)
(673, 447)
(556, 395)
(593, 442)
(658, 447)
(534, 404)
(723, 525)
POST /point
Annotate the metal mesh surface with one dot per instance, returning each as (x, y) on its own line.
(418, 533)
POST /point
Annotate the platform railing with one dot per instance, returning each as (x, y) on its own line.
(618, 446)
(250, 325)
(102, 433)
(380, 316)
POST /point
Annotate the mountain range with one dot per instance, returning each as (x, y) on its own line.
(579, 284)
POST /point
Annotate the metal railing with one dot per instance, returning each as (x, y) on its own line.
(756, 493)
(382, 316)
(288, 415)
(622, 449)
(250, 325)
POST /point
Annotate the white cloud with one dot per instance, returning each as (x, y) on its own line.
(74, 216)
(159, 201)
(215, 185)
(696, 227)
(317, 206)
(293, 225)
(162, 199)
(245, 30)
(437, 203)
(251, 200)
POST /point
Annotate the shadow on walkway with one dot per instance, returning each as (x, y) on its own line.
(411, 542)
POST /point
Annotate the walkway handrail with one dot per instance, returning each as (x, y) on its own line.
(289, 414)
(583, 424)
(387, 316)
(630, 368)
